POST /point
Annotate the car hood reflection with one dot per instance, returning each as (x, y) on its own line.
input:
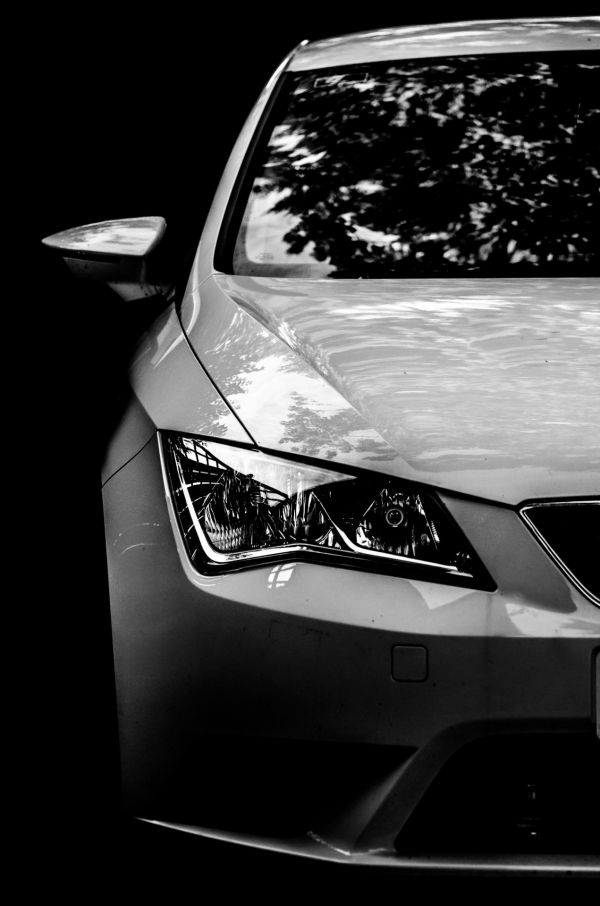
(488, 387)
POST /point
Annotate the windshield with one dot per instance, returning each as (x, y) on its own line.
(462, 166)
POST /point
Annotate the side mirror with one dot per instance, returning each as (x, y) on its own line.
(121, 253)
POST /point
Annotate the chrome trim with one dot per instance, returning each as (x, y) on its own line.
(550, 550)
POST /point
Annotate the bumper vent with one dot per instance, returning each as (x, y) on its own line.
(570, 532)
(512, 794)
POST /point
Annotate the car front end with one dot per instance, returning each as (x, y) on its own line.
(352, 507)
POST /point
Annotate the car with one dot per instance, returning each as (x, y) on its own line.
(352, 502)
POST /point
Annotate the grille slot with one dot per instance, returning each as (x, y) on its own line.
(570, 532)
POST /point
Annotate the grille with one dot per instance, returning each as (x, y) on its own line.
(570, 532)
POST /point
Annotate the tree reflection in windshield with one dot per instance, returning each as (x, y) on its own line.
(467, 166)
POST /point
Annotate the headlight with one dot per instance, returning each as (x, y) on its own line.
(237, 507)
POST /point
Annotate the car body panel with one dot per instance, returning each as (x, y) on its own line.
(274, 389)
(164, 359)
(204, 261)
(453, 39)
(482, 865)
(477, 386)
(134, 238)
(133, 431)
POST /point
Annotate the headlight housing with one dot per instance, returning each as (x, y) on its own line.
(237, 507)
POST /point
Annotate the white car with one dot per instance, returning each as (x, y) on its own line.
(353, 506)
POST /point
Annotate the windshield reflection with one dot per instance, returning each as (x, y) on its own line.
(469, 166)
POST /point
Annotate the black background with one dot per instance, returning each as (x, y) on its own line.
(129, 112)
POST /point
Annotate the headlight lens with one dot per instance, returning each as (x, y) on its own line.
(237, 506)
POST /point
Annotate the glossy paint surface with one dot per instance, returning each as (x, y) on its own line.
(276, 391)
(487, 387)
(135, 237)
(453, 39)
(175, 390)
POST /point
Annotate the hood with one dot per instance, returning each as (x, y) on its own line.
(485, 387)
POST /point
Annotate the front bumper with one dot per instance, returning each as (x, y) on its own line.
(240, 694)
